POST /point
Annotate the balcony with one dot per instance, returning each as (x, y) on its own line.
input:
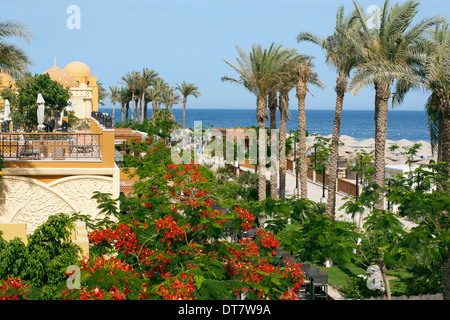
(93, 148)
(51, 146)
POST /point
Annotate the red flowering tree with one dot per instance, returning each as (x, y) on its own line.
(177, 244)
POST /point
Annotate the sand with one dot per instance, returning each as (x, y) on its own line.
(351, 146)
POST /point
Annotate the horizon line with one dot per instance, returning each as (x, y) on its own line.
(243, 108)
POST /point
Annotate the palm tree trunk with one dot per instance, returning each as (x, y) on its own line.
(273, 126)
(136, 112)
(440, 142)
(261, 116)
(132, 108)
(184, 113)
(341, 86)
(283, 106)
(114, 114)
(142, 105)
(302, 155)
(382, 94)
(444, 141)
(128, 107)
(122, 108)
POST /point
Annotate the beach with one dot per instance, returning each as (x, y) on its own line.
(351, 146)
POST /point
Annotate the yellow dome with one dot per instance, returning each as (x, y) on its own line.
(78, 68)
(59, 75)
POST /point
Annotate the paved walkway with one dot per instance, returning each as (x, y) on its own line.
(315, 192)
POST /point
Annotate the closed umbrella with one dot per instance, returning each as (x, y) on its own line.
(7, 111)
(40, 111)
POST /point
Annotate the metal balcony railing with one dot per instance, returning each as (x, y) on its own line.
(50, 146)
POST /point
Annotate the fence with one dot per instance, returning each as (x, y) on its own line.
(50, 146)
(343, 186)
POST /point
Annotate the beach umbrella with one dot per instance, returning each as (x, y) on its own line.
(69, 107)
(7, 111)
(40, 111)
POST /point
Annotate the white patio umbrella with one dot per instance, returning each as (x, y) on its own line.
(69, 107)
(40, 111)
(7, 111)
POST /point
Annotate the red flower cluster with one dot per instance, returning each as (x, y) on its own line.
(295, 274)
(246, 216)
(101, 263)
(12, 289)
(174, 288)
(172, 232)
(268, 240)
(111, 267)
(124, 239)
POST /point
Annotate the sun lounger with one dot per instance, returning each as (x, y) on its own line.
(83, 142)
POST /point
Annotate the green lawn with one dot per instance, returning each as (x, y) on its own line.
(337, 276)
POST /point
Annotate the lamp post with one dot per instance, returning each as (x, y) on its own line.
(295, 165)
(315, 155)
(323, 199)
(354, 163)
(361, 166)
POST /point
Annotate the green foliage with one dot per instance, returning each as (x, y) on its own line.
(28, 88)
(160, 125)
(41, 263)
(361, 163)
(424, 197)
(318, 237)
(356, 289)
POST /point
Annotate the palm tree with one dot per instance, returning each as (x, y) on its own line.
(124, 99)
(432, 72)
(153, 97)
(131, 80)
(386, 54)
(436, 79)
(186, 90)
(102, 93)
(146, 79)
(305, 75)
(13, 60)
(285, 58)
(114, 96)
(339, 55)
(173, 98)
(160, 86)
(256, 72)
(169, 98)
(287, 82)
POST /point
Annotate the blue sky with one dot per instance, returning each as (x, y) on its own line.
(188, 40)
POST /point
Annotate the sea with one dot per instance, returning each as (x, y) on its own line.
(359, 124)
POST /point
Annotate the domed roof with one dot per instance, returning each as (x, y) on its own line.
(61, 76)
(78, 68)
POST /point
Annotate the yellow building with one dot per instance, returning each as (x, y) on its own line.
(83, 85)
(6, 81)
(78, 77)
(50, 173)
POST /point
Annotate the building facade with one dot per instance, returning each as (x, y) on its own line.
(82, 84)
